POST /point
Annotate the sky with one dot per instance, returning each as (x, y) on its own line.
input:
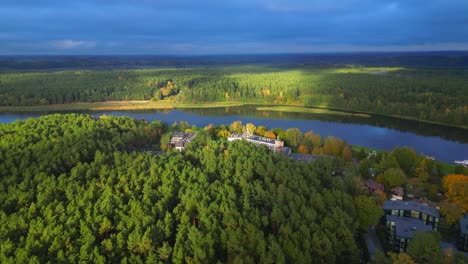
(198, 27)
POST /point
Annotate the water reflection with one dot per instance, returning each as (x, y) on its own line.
(420, 128)
(445, 143)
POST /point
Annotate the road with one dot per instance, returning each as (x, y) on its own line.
(372, 242)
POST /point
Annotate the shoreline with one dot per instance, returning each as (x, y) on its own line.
(150, 105)
(111, 106)
(308, 110)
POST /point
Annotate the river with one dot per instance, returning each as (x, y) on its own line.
(444, 143)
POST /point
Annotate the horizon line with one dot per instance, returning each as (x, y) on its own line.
(242, 54)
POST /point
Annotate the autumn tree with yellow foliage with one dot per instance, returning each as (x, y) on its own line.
(456, 186)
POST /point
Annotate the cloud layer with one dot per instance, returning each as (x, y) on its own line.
(230, 26)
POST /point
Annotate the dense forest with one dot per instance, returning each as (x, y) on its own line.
(78, 189)
(439, 95)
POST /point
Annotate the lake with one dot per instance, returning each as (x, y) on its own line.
(442, 142)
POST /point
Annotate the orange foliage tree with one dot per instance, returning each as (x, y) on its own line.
(456, 186)
(303, 149)
(317, 151)
(270, 134)
(347, 154)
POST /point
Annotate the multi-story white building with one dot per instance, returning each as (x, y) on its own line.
(180, 139)
(275, 145)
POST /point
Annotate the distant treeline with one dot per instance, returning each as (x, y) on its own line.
(388, 59)
(426, 94)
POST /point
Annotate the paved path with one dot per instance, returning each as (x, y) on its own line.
(372, 242)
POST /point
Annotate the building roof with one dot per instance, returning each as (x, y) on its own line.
(283, 150)
(374, 185)
(236, 135)
(178, 134)
(410, 205)
(464, 224)
(427, 202)
(303, 157)
(406, 227)
(181, 139)
(250, 136)
(372, 171)
(398, 191)
(262, 139)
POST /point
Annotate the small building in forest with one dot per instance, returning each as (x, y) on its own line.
(400, 231)
(180, 139)
(373, 186)
(275, 145)
(397, 193)
(428, 215)
(404, 218)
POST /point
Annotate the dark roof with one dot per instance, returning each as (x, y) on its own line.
(464, 224)
(410, 205)
(283, 150)
(373, 185)
(178, 134)
(398, 190)
(249, 136)
(237, 135)
(303, 157)
(180, 139)
(406, 227)
(427, 202)
(262, 139)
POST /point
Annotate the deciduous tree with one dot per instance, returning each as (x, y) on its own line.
(424, 247)
(368, 213)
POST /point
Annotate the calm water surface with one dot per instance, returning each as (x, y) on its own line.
(445, 143)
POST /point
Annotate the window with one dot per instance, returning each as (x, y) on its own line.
(414, 214)
(390, 226)
(394, 212)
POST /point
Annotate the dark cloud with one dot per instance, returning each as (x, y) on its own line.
(229, 26)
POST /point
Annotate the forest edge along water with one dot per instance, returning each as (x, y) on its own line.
(379, 132)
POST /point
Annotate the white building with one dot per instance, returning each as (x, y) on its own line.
(274, 145)
(180, 139)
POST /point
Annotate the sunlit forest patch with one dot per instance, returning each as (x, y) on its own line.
(436, 95)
